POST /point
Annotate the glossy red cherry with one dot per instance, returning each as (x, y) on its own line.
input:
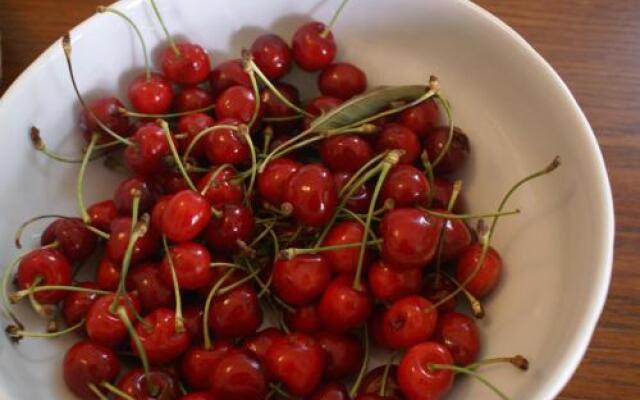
(360, 200)
(159, 338)
(442, 191)
(302, 279)
(158, 212)
(193, 321)
(406, 185)
(237, 102)
(152, 292)
(48, 267)
(409, 321)
(304, 319)
(108, 274)
(372, 383)
(236, 314)
(421, 118)
(313, 49)
(190, 67)
(345, 153)
(345, 261)
(298, 361)
(229, 73)
(102, 213)
(76, 304)
(320, 105)
(221, 189)
(342, 80)
(410, 238)
(108, 111)
(312, 193)
(259, 343)
(488, 274)
(456, 237)
(272, 55)
(238, 376)
(147, 156)
(135, 384)
(146, 245)
(226, 146)
(236, 224)
(153, 95)
(186, 215)
(272, 181)
(342, 307)
(191, 265)
(417, 379)
(74, 240)
(460, 334)
(125, 192)
(344, 354)
(331, 391)
(192, 98)
(105, 327)
(198, 363)
(192, 125)
(273, 107)
(397, 137)
(457, 152)
(437, 288)
(390, 284)
(87, 363)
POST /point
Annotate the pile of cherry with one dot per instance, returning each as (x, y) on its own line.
(335, 221)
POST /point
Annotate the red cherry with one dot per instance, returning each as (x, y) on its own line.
(51, 266)
(107, 110)
(259, 343)
(191, 265)
(135, 384)
(312, 193)
(342, 307)
(198, 363)
(417, 379)
(397, 137)
(193, 321)
(391, 284)
(152, 292)
(124, 194)
(76, 304)
(331, 391)
(229, 73)
(108, 274)
(186, 215)
(159, 338)
(342, 80)
(460, 334)
(421, 118)
(238, 376)
(376, 331)
(437, 288)
(105, 327)
(102, 213)
(222, 189)
(410, 238)
(372, 383)
(344, 354)
(158, 212)
(172, 182)
(192, 98)
(190, 67)
(273, 107)
(192, 125)
(197, 396)
(226, 146)
(456, 154)
(74, 240)
(237, 102)
(147, 156)
(442, 191)
(87, 363)
(146, 245)
(361, 198)
(236, 313)
(312, 49)
(305, 319)
(298, 361)
(272, 182)
(320, 105)
(302, 279)
(406, 186)
(272, 55)
(236, 224)
(456, 236)
(345, 153)
(488, 274)
(151, 96)
(345, 261)
(409, 321)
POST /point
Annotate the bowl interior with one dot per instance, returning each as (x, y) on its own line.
(517, 112)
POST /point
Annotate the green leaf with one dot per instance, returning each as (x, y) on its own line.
(365, 105)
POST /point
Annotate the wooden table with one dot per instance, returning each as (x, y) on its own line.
(595, 46)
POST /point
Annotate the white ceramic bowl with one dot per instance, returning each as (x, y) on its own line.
(517, 111)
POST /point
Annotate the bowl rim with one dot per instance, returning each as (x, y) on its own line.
(594, 307)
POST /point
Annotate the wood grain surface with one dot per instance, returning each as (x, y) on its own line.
(595, 47)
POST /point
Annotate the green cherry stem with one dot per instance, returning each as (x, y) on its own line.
(21, 228)
(39, 144)
(267, 134)
(97, 392)
(172, 42)
(359, 173)
(290, 253)
(446, 215)
(124, 317)
(139, 229)
(246, 57)
(8, 272)
(244, 131)
(16, 334)
(518, 361)
(275, 388)
(467, 371)
(176, 287)
(80, 182)
(445, 149)
(207, 307)
(385, 375)
(176, 157)
(135, 114)
(283, 119)
(19, 295)
(365, 365)
(457, 187)
(476, 306)
(333, 21)
(202, 134)
(252, 65)
(116, 391)
(213, 177)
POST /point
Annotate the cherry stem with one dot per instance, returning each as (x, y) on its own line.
(172, 43)
(363, 367)
(385, 375)
(213, 177)
(263, 234)
(124, 317)
(455, 192)
(19, 295)
(66, 46)
(135, 114)
(445, 148)
(356, 217)
(331, 23)
(244, 131)
(207, 307)
(115, 390)
(264, 289)
(296, 146)
(283, 119)
(226, 289)
(476, 306)
(21, 228)
(290, 253)
(176, 288)
(467, 371)
(517, 361)
(80, 182)
(16, 334)
(202, 134)
(252, 65)
(360, 172)
(176, 157)
(275, 388)
(282, 146)
(426, 164)
(39, 145)
(254, 85)
(97, 392)
(8, 272)
(147, 64)
(446, 215)
(267, 134)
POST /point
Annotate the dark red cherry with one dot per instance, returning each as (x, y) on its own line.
(436, 288)
(192, 98)
(172, 181)
(148, 154)
(125, 192)
(259, 343)
(191, 265)
(442, 191)
(236, 314)
(376, 331)
(417, 379)
(342, 80)
(193, 321)
(456, 154)
(372, 383)
(487, 275)
(345, 261)
(460, 334)
(135, 384)
(74, 240)
(198, 363)
(238, 376)
(318, 106)
(108, 111)
(406, 186)
(152, 292)
(160, 340)
(151, 96)
(190, 67)
(345, 153)
(272, 181)
(237, 102)
(108, 274)
(273, 107)
(102, 213)
(421, 118)
(186, 215)
(410, 238)
(342, 307)
(105, 327)
(302, 279)
(76, 304)
(226, 146)
(192, 125)
(222, 188)
(304, 319)
(236, 224)
(272, 55)
(146, 245)
(397, 137)
(158, 212)
(48, 267)
(87, 363)
(298, 361)
(390, 284)
(344, 354)
(331, 391)
(360, 200)
(409, 321)
(229, 73)
(456, 236)
(313, 48)
(197, 396)
(312, 193)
